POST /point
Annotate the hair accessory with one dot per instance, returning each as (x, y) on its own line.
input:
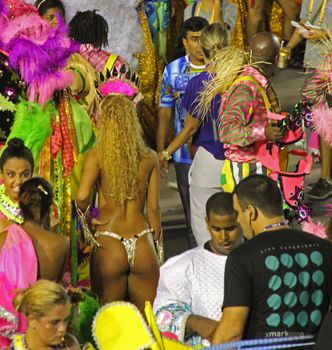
(41, 188)
(41, 3)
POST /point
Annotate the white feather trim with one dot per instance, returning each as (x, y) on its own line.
(125, 32)
(322, 120)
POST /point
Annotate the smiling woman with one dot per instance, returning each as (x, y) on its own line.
(50, 9)
(16, 166)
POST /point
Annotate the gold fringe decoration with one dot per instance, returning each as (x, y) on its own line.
(273, 12)
(67, 207)
(276, 19)
(45, 164)
(237, 35)
(150, 74)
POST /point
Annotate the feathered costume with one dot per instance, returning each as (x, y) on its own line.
(134, 43)
(317, 91)
(39, 52)
(53, 124)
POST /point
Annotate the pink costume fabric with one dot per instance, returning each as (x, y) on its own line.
(97, 58)
(18, 269)
(243, 117)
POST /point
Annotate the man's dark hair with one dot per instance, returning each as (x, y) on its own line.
(220, 203)
(193, 24)
(261, 192)
(89, 27)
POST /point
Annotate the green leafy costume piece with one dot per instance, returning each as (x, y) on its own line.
(33, 125)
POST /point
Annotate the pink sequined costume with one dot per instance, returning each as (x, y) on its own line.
(18, 269)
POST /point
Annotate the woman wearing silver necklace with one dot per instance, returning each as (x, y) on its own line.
(16, 248)
(46, 307)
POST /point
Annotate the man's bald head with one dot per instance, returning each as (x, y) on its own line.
(264, 47)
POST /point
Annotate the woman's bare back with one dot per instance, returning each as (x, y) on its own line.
(52, 250)
(130, 219)
(113, 277)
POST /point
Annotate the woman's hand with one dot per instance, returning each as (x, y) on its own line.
(313, 34)
(163, 165)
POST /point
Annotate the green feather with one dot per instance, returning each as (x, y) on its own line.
(33, 125)
(6, 105)
(82, 315)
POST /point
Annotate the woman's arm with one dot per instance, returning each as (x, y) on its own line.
(152, 204)
(89, 176)
(217, 12)
(191, 126)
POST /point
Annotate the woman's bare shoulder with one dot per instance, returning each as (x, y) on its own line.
(151, 155)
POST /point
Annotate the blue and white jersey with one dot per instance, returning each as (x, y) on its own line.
(174, 82)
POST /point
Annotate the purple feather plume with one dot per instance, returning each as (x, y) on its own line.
(40, 53)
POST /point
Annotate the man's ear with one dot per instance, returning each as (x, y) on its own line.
(252, 212)
(184, 42)
(207, 222)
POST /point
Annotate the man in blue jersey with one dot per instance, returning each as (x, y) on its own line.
(175, 79)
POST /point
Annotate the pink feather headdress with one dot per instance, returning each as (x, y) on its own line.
(36, 50)
(117, 87)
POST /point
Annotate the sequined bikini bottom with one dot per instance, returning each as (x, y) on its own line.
(128, 243)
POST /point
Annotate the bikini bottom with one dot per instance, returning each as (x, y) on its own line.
(128, 243)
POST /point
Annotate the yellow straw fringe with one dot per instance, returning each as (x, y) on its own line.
(225, 67)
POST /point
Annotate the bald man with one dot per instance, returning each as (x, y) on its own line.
(243, 113)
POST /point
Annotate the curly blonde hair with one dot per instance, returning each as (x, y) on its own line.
(120, 146)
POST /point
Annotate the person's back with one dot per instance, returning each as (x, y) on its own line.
(289, 273)
(124, 262)
(278, 283)
(130, 218)
(52, 249)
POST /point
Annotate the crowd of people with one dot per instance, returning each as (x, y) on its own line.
(97, 100)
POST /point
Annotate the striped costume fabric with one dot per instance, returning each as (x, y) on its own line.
(242, 121)
(232, 173)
